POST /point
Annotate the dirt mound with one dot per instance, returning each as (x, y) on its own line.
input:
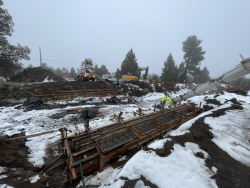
(36, 74)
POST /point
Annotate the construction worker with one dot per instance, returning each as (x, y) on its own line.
(170, 102)
(117, 84)
(163, 101)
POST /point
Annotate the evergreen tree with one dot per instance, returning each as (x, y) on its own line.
(86, 60)
(205, 75)
(129, 64)
(96, 69)
(118, 74)
(155, 77)
(72, 73)
(45, 66)
(103, 70)
(58, 72)
(9, 54)
(193, 54)
(30, 66)
(52, 69)
(17, 71)
(169, 72)
(182, 73)
(198, 77)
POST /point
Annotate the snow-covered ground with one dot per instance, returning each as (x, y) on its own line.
(163, 172)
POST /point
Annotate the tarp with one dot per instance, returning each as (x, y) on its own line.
(113, 99)
(88, 112)
(35, 101)
(61, 114)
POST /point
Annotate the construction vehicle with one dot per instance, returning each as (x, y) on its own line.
(64, 73)
(85, 72)
(109, 77)
(134, 77)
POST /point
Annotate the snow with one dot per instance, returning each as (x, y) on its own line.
(46, 80)
(231, 133)
(102, 177)
(140, 184)
(182, 168)
(34, 179)
(5, 186)
(2, 169)
(158, 144)
(123, 158)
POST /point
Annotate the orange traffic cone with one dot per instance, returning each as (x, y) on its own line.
(109, 95)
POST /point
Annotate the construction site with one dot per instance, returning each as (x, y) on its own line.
(90, 134)
(124, 94)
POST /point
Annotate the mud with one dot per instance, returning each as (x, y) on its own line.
(132, 183)
(231, 173)
(213, 101)
(18, 169)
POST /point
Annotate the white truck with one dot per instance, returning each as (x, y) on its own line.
(85, 72)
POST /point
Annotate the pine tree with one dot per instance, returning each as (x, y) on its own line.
(129, 64)
(205, 75)
(169, 72)
(30, 66)
(45, 66)
(182, 73)
(193, 54)
(103, 70)
(72, 73)
(58, 72)
(118, 74)
(86, 60)
(155, 77)
(9, 54)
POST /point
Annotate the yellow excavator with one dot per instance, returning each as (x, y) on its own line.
(134, 77)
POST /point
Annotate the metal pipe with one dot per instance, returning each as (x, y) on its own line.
(240, 70)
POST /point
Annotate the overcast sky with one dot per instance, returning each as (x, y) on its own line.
(104, 30)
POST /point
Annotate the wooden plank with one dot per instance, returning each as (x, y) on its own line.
(73, 173)
(52, 168)
(29, 136)
(52, 163)
(66, 144)
(83, 151)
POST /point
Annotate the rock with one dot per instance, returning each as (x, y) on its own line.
(200, 155)
(237, 106)
(168, 146)
(198, 136)
(160, 152)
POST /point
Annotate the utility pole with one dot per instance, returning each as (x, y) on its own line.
(40, 57)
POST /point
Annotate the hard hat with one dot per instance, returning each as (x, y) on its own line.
(172, 97)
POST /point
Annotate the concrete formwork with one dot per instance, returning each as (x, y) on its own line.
(93, 149)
